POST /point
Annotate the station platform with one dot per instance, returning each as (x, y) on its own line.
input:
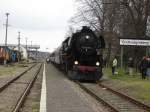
(60, 94)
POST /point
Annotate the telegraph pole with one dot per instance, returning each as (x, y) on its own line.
(19, 44)
(31, 44)
(26, 43)
(27, 47)
(5, 60)
(36, 54)
(19, 41)
(31, 50)
(7, 14)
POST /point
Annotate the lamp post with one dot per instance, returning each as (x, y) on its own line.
(5, 60)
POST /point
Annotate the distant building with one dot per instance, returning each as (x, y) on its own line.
(24, 52)
(38, 55)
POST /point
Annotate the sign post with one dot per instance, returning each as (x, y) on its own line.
(121, 57)
(133, 42)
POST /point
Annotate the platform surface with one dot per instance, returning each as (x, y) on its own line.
(61, 97)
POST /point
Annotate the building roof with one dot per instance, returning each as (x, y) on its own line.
(28, 46)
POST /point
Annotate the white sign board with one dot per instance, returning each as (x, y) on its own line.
(134, 42)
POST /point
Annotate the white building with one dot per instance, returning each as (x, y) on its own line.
(24, 53)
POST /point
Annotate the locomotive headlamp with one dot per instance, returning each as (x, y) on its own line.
(97, 63)
(76, 63)
(87, 37)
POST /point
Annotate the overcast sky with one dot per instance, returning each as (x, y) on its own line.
(44, 22)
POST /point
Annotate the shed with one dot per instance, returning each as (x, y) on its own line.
(23, 50)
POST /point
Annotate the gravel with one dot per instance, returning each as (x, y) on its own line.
(10, 96)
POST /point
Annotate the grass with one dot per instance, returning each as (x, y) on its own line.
(7, 70)
(35, 107)
(131, 85)
(10, 69)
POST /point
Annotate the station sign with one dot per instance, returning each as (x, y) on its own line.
(134, 42)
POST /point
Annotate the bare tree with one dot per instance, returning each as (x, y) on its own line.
(114, 18)
(115, 15)
(139, 12)
(90, 13)
(101, 17)
(148, 27)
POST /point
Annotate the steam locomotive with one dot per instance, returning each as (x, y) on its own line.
(81, 55)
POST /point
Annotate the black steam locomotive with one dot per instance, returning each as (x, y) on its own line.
(80, 55)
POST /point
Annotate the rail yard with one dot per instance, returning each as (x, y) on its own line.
(74, 55)
(22, 92)
(72, 78)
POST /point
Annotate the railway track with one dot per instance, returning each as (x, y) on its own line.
(14, 92)
(116, 101)
(15, 78)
